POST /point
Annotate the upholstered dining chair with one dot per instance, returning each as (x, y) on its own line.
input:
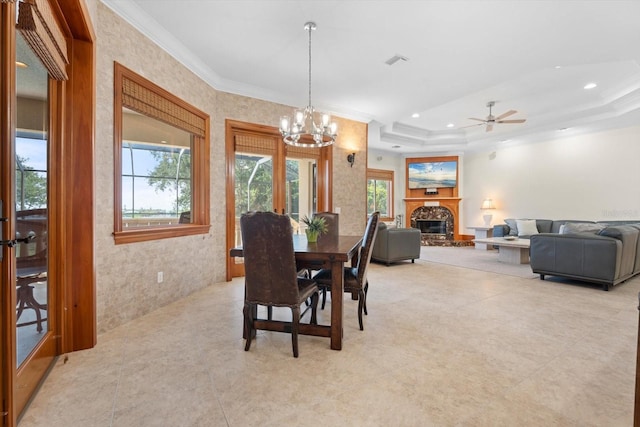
(271, 278)
(355, 278)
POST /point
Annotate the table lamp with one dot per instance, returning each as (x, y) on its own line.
(487, 204)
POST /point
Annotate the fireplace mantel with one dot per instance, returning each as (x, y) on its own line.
(451, 203)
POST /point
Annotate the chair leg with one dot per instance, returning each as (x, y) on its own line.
(361, 298)
(248, 324)
(314, 308)
(324, 297)
(294, 329)
(366, 290)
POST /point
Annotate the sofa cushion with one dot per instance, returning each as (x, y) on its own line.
(581, 227)
(526, 227)
(513, 226)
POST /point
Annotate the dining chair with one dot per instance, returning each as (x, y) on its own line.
(31, 264)
(355, 278)
(271, 277)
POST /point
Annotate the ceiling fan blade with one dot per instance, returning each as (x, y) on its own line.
(489, 128)
(470, 126)
(512, 121)
(480, 120)
(507, 114)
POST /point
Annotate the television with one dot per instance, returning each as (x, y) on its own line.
(433, 174)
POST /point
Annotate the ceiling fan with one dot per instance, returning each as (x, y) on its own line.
(491, 120)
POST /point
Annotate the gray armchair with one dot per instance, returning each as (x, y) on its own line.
(396, 244)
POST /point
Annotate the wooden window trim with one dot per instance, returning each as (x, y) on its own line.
(200, 214)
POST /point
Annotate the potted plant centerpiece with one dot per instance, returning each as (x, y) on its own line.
(315, 226)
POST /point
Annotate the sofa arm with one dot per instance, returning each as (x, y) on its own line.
(586, 256)
(397, 244)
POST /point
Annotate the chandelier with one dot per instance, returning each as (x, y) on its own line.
(309, 127)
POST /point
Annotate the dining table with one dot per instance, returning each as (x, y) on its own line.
(331, 252)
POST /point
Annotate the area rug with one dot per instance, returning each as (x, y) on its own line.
(469, 257)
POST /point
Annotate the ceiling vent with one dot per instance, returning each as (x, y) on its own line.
(395, 58)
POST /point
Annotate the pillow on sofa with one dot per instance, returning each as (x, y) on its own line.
(581, 227)
(526, 227)
(513, 226)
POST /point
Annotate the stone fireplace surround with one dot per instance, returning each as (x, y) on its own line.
(436, 208)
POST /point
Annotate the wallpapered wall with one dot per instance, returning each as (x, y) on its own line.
(126, 274)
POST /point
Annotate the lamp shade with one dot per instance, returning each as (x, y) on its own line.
(487, 204)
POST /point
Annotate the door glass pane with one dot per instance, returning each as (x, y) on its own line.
(253, 186)
(300, 194)
(31, 177)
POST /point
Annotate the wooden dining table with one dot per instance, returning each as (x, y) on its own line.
(329, 252)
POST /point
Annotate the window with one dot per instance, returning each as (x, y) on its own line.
(380, 193)
(161, 163)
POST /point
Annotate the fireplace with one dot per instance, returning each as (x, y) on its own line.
(432, 226)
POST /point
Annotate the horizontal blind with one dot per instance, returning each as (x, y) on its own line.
(42, 33)
(386, 175)
(255, 144)
(145, 101)
(303, 152)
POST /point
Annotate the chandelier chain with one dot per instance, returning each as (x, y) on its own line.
(311, 27)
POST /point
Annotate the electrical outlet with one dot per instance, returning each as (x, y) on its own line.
(160, 277)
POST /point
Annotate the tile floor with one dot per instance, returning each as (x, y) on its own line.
(442, 346)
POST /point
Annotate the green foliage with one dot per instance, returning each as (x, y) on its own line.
(163, 176)
(377, 197)
(31, 186)
(315, 224)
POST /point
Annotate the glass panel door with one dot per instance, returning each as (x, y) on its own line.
(31, 218)
(300, 190)
(253, 190)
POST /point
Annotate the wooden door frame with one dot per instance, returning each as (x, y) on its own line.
(324, 181)
(73, 221)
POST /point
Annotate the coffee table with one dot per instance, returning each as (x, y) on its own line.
(514, 251)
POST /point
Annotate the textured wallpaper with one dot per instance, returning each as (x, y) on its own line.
(126, 274)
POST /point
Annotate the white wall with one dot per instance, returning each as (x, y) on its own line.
(593, 177)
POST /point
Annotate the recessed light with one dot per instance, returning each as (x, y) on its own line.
(450, 125)
(590, 85)
(21, 64)
(563, 129)
(415, 115)
(557, 67)
(504, 141)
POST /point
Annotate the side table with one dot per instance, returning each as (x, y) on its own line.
(483, 232)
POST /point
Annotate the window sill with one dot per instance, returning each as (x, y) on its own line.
(156, 233)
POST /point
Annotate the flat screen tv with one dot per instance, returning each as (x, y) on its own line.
(433, 174)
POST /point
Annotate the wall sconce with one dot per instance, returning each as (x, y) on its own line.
(351, 158)
(487, 204)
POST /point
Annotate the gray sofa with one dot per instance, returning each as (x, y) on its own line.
(396, 244)
(606, 253)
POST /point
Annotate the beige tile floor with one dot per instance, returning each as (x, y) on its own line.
(442, 346)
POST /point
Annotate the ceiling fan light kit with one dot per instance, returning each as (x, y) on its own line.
(491, 120)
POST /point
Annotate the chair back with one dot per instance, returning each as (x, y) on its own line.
(31, 257)
(269, 259)
(367, 247)
(332, 221)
